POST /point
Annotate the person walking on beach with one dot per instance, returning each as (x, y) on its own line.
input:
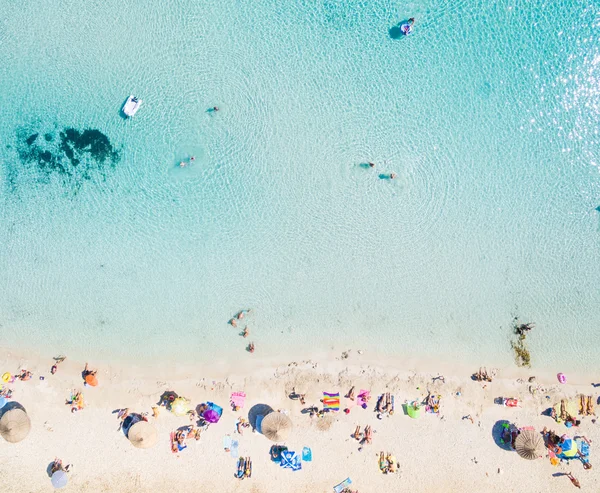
(57, 361)
(573, 480)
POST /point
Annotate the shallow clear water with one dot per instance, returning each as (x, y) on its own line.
(489, 115)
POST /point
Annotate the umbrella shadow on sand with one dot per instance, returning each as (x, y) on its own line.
(258, 410)
(499, 429)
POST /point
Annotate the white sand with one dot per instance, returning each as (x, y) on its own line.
(436, 454)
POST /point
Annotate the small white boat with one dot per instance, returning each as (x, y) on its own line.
(131, 105)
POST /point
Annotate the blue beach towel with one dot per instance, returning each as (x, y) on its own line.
(306, 454)
(235, 453)
(342, 486)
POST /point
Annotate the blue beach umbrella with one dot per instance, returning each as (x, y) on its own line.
(59, 479)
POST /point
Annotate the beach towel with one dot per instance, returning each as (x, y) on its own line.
(363, 397)
(238, 399)
(235, 452)
(306, 454)
(342, 486)
(290, 460)
(227, 442)
(434, 404)
(331, 402)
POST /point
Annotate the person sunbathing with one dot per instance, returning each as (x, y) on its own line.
(392, 464)
(357, 434)
(57, 465)
(368, 435)
(123, 413)
(590, 406)
(379, 405)
(241, 468)
(382, 462)
(25, 375)
(350, 394)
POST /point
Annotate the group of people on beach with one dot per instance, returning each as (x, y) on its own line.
(233, 321)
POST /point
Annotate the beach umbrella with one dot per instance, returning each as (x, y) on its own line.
(180, 406)
(15, 425)
(59, 479)
(142, 435)
(211, 416)
(529, 444)
(91, 380)
(276, 426)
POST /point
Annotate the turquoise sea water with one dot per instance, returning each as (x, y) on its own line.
(489, 114)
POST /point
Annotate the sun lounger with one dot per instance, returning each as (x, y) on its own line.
(331, 402)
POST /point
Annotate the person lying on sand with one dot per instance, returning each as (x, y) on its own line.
(122, 414)
(357, 433)
(368, 435)
(25, 375)
(350, 394)
(57, 465)
(380, 404)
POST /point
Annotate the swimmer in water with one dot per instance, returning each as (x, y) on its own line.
(182, 164)
(246, 332)
(251, 347)
(242, 313)
(215, 108)
(371, 165)
(392, 176)
(233, 322)
(193, 158)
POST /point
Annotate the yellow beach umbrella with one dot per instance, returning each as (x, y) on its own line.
(180, 406)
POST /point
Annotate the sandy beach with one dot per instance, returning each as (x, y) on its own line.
(435, 453)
